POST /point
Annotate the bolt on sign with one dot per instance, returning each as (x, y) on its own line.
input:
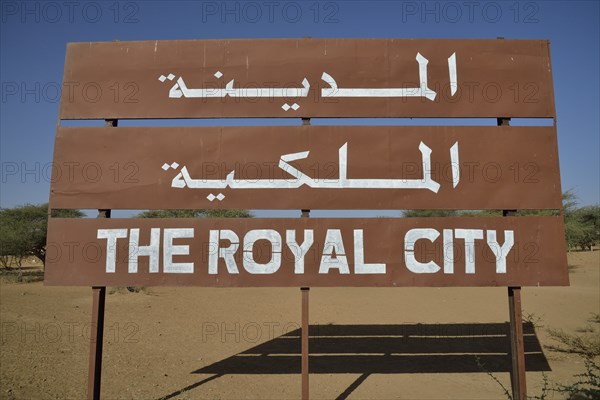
(307, 167)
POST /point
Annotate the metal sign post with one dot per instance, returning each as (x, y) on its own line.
(97, 332)
(305, 335)
(305, 332)
(517, 345)
(96, 341)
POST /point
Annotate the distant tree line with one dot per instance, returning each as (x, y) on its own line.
(195, 214)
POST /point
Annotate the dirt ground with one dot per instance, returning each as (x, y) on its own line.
(196, 343)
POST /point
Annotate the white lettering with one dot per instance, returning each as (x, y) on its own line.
(274, 263)
(500, 251)
(360, 267)
(225, 253)
(111, 236)
(334, 244)
(299, 251)
(410, 239)
(152, 250)
(170, 250)
(469, 235)
(448, 252)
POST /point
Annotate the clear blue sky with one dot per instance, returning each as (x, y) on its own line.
(34, 36)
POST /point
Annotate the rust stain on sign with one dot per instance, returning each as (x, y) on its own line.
(307, 252)
(307, 167)
(308, 78)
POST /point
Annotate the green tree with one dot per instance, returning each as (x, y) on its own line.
(195, 214)
(23, 232)
(227, 214)
(481, 213)
(170, 214)
(588, 220)
(574, 227)
(12, 249)
(428, 213)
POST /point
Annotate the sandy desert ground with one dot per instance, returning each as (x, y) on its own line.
(367, 343)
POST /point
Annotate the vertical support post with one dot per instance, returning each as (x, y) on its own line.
(96, 340)
(304, 337)
(97, 328)
(517, 345)
(305, 325)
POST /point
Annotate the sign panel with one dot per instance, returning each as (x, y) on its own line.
(509, 251)
(307, 167)
(308, 78)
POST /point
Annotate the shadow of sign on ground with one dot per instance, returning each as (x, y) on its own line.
(384, 349)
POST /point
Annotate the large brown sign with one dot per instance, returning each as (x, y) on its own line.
(307, 252)
(308, 78)
(307, 167)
